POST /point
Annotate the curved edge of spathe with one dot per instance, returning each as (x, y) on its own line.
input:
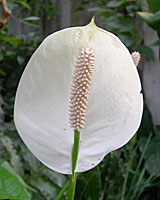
(120, 145)
(37, 157)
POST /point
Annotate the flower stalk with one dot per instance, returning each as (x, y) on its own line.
(73, 178)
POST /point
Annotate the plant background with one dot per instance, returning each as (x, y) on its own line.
(130, 173)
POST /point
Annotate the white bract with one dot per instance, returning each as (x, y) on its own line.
(42, 102)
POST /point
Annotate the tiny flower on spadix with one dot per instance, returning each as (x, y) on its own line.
(79, 78)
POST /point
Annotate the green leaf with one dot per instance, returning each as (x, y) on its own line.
(8, 167)
(126, 24)
(153, 20)
(23, 3)
(115, 4)
(30, 159)
(146, 16)
(126, 39)
(146, 51)
(131, 9)
(152, 156)
(154, 5)
(15, 159)
(122, 24)
(118, 3)
(10, 187)
(7, 196)
(47, 189)
(15, 42)
(153, 163)
(96, 9)
(31, 18)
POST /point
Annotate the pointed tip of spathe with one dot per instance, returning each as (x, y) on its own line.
(92, 21)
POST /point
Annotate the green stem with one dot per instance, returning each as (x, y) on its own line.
(72, 186)
(73, 178)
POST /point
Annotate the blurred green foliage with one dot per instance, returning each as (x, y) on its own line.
(131, 173)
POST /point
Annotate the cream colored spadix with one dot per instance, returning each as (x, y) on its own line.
(42, 105)
(80, 89)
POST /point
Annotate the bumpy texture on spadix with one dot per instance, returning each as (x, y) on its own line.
(80, 89)
(136, 56)
(42, 104)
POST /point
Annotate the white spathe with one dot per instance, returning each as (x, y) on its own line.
(115, 103)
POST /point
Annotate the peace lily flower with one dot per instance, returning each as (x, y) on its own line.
(83, 79)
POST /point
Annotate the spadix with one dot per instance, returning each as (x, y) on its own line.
(80, 89)
(45, 108)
